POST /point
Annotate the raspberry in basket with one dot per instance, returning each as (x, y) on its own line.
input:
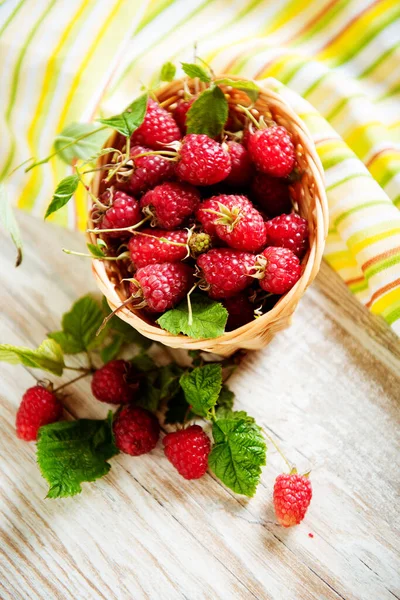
(148, 171)
(242, 169)
(180, 113)
(170, 204)
(124, 211)
(146, 249)
(157, 129)
(225, 272)
(272, 151)
(271, 194)
(277, 269)
(288, 231)
(160, 287)
(240, 311)
(202, 161)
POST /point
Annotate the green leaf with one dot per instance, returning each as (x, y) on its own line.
(202, 387)
(209, 318)
(63, 194)
(79, 327)
(48, 356)
(112, 349)
(95, 250)
(238, 454)
(10, 224)
(169, 376)
(168, 71)
(128, 121)
(144, 363)
(192, 70)
(79, 148)
(209, 113)
(249, 87)
(177, 409)
(225, 402)
(71, 452)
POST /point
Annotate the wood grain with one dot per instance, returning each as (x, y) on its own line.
(327, 388)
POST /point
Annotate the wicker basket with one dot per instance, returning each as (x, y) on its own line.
(309, 194)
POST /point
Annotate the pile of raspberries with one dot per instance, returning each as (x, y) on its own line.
(219, 214)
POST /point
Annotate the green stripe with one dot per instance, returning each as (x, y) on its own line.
(379, 60)
(10, 18)
(396, 201)
(393, 315)
(323, 21)
(316, 84)
(356, 288)
(355, 209)
(354, 176)
(336, 156)
(152, 14)
(340, 105)
(386, 263)
(390, 92)
(15, 82)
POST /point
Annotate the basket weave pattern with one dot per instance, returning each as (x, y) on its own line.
(308, 194)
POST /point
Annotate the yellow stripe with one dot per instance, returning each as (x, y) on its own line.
(386, 301)
(359, 241)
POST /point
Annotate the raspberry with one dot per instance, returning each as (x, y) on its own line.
(148, 170)
(280, 269)
(272, 194)
(110, 383)
(170, 203)
(272, 151)
(136, 430)
(241, 166)
(188, 451)
(292, 497)
(145, 249)
(288, 231)
(225, 271)
(202, 161)
(180, 113)
(162, 286)
(237, 222)
(123, 212)
(240, 311)
(39, 406)
(199, 242)
(157, 129)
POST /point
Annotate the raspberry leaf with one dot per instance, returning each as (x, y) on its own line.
(63, 194)
(209, 113)
(177, 409)
(111, 351)
(208, 321)
(95, 250)
(249, 87)
(202, 387)
(238, 454)
(192, 70)
(128, 121)
(80, 140)
(79, 327)
(225, 402)
(71, 452)
(168, 71)
(48, 357)
(10, 224)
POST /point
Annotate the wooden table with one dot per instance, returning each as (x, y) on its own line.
(327, 388)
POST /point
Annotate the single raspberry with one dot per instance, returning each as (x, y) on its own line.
(110, 383)
(279, 269)
(39, 406)
(146, 249)
(292, 497)
(124, 211)
(234, 220)
(288, 231)
(225, 271)
(202, 161)
(162, 286)
(170, 204)
(136, 430)
(240, 311)
(272, 194)
(272, 151)
(242, 168)
(148, 171)
(188, 451)
(157, 129)
(180, 113)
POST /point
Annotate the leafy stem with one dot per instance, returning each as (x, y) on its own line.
(64, 385)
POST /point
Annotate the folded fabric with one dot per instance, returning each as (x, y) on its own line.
(339, 61)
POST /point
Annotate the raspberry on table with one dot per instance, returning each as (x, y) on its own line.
(124, 211)
(240, 311)
(288, 231)
(110, 383)
(136, 430)
(272, 151)
(162, 286)
(39, 406)
(281, 269)
(188, 451)
(180, 113)
(226, 271)
(202, 161)
(242, 168)
(272, 194)
(237, 222)
(148, 171)
(292, 497)
(146, 249)
(158, 128)
(170, 203)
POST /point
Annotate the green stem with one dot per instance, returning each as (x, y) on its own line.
(120, 257)
(81, 137)
(130, 229)
(61, 387)
(249, 115)
(278, 449)
(81, 369)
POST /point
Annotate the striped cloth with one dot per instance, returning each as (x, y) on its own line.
(337, 62)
